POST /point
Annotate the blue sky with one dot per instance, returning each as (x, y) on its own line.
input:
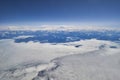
(59, 11)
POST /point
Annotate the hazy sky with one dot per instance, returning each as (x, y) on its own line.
(58, 11)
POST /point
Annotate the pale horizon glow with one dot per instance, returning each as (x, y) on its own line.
(61, 27)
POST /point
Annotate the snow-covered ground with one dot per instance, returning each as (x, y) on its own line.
(81, 60)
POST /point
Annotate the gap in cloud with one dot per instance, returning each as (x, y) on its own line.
(60, 36)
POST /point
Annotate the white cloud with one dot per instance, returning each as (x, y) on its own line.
(16, 55)
(60, 27)
(23, 37)
(91, 66)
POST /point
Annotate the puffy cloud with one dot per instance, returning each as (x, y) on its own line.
(30, 58)
(91, 66)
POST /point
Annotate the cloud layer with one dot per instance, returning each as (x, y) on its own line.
(34, 60)
(61, 27)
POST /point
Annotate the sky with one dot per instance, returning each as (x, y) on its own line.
(59, 11)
